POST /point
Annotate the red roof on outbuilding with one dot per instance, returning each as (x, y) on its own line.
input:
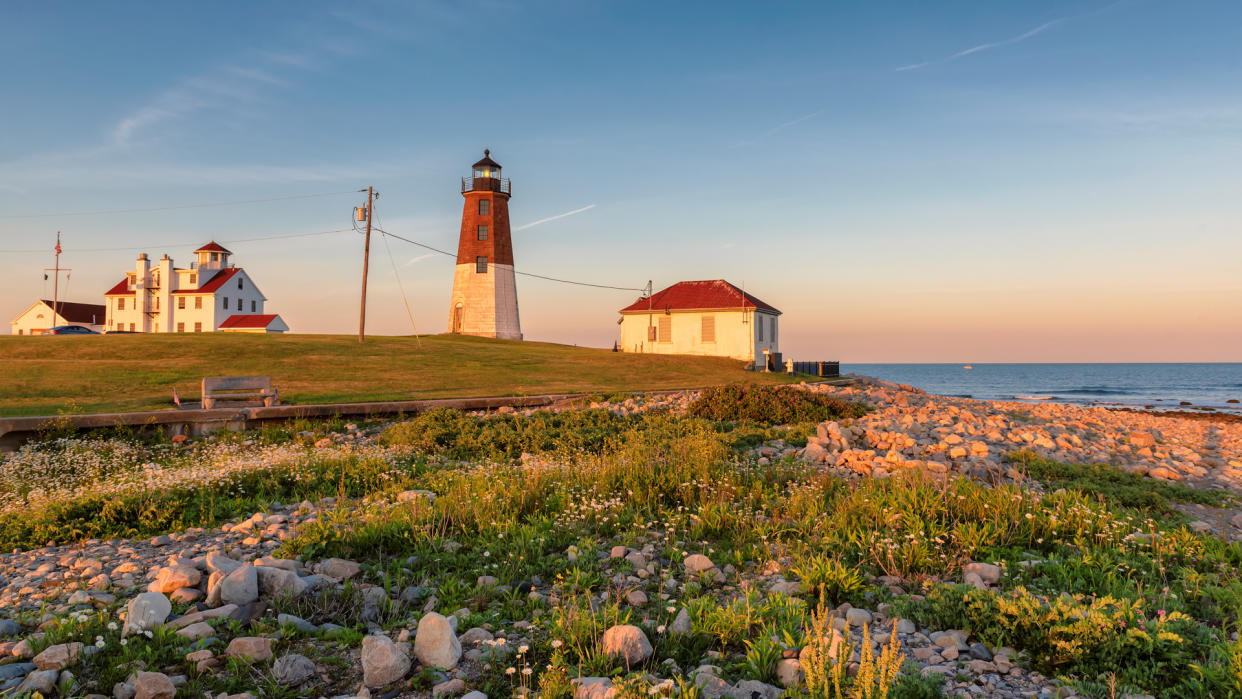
(251, 321)
(213, 246)
(213, 284)
(713, 294)
(121, 289)
(80, 312)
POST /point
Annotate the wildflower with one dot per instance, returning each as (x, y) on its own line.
(124, 642)
(660, 628)
(526, 671)
(99, 643)
(556, 643)
(148, 634)
(112, 626)
(510, 670)
(522, 649)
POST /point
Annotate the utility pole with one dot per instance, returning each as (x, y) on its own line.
(366, 264)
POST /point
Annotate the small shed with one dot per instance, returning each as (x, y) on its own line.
(711, 317)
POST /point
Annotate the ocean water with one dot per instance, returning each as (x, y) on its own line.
(1160, 386)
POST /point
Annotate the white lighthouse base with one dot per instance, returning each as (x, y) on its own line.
(485, 304)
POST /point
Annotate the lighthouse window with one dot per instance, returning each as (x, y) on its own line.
(482, 232)
(480, 265)
(485, 207)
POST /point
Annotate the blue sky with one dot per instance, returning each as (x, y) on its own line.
(949, 181)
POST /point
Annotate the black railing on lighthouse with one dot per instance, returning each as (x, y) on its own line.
(486, 184)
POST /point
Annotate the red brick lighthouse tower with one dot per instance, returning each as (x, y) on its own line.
(484, 300)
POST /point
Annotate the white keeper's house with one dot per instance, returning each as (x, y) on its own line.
(711, 317)
(212, 295)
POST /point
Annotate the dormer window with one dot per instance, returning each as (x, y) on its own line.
(194, 279)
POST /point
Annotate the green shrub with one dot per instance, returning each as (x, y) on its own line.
(771, 405)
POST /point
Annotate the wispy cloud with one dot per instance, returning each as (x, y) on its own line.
(553, 218)
(1010, 41)
(989, 45)
(779, 127)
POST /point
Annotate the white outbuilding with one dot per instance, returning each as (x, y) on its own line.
(40, 317)
(711, 317)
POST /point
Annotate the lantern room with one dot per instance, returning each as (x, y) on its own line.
(485, 177)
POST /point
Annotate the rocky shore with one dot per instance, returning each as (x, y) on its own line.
(223, 590)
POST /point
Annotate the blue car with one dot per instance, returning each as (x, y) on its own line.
(69, 330)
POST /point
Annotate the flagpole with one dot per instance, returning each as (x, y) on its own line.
(56, 284)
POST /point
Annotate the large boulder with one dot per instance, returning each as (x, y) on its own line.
(436, 643)
(174, 578)
(278, 582)
(383, 663)
(145, 612)
(339, 568)
(240, 586)
(627, 643)
(58, 657)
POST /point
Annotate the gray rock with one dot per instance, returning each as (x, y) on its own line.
(293, 669)
(240, 586)
(681, 623)
(296, 622)
(145, 612)
(383, 662)
(8, 672)
(41, 681)
(278, 582)
(697, 563)
(8, 628)
(980, 651)
(751, 689)
(436, 642)
(627, 643)
(856, 617)
(123, 690)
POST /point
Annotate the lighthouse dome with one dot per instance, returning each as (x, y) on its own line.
(487, 167)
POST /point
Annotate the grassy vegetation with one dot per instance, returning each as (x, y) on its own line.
(1101, 583)
(1116, 486)
(47, 375)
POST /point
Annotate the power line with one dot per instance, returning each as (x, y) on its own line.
(180, 206)
(525, 274)
(230, 242)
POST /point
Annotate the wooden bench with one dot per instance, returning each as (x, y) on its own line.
(238, 388)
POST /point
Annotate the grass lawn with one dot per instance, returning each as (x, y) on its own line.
(105, 373)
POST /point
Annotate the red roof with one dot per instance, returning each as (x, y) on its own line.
(121, 289)
(80, 312)
(215, 283)
(213, 246)
(713, 294)
(251, 321)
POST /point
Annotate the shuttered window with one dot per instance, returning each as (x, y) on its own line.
(759, 324)
(709, 328)
(666, 329)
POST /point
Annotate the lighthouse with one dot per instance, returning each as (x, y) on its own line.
(484, 300)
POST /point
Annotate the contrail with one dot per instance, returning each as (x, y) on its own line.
(417, 259)
(553, 218)
(1012, 40)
